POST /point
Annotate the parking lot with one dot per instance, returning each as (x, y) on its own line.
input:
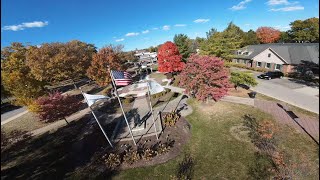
(290, 91)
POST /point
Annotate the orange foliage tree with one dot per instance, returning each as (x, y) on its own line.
(101, 62)
(268, 34)
(169, 58)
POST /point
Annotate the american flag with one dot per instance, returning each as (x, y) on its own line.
(121, 78)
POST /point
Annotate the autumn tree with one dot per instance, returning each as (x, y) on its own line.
(54, 62)
(16, 76)
(204, 77)
(56, 106)
(305, 30)
(238, 78)
(183, 43)
(268, 34)
(103, 60)
(169, 59)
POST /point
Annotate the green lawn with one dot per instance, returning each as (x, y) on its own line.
(220, 155)
(219, 147)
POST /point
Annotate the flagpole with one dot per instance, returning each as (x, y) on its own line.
(154, 123)
(124, 115)
(95, 117)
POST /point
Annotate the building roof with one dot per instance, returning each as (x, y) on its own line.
(292, 53)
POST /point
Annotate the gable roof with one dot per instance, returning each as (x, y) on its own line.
(292, 53)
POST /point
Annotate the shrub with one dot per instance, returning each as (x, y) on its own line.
(148, 154)
(163, 148)
(128, 100)
(176, 81)
(113, 160)
(107, 91)
(131, 156)
(171, 118)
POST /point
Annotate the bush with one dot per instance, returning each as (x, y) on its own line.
(107, 91)
(176, 81)
(113, 160)
(155, 67)
(128, 100)
(171, 119)
(131, 156)
(231, 64)
(169, 75)
(148, 154)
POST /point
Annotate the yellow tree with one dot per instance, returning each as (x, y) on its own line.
(17, 77)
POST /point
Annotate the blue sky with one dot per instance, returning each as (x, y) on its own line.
(140, 24)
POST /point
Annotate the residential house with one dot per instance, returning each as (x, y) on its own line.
(286, 57)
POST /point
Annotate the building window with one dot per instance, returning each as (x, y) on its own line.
(277, 67)
(258, 64)
(268, 65)
(238, 60)
(269, 55)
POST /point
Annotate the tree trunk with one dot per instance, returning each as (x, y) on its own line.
(235, 87)
(66, 121)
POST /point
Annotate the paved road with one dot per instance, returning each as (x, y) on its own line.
(288, 91)
(13, 113)
(291, 92)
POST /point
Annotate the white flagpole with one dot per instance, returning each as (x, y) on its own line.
(95, 117)
(154, 123)
(125, 117)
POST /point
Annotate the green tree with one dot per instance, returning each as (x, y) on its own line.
(183, 43)
(54, 62)
(305, 30)
(238, 78)
(224, 44)
(285, 37)
(211, 32)
(16, 76)
(250, 38)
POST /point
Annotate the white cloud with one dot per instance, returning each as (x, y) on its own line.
(201, 20)
(166, 27)
(247, 24)
(155, 28)
(180, 25)
(25, 25)
(240, 6)
(119, 40)
(132, 34)
(289, 8)
(281, 2)
(145, 32)
(282, 28)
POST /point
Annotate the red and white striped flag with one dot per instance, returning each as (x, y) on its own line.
(121, 78)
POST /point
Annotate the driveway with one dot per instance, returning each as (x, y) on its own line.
(291, 92)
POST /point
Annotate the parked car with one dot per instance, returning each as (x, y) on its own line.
(271, 75)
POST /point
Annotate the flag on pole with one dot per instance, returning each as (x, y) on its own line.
(121, 78)
(91, 99)
(155, 87)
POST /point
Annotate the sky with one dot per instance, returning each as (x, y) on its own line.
(141, 23)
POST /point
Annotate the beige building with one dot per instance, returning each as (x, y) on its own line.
(288, 57)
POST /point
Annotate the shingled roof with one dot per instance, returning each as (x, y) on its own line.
(292, 53)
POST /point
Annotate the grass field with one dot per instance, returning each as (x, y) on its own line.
(219, 154)
(218, 149)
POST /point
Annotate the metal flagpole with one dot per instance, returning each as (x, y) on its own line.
(95, 117)
(154, 123)
(125, 117)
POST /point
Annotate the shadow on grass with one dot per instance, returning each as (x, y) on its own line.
(185, 169)
(56, 155)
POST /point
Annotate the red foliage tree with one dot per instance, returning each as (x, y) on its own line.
(57, 106)
(268, 34)
(205, 77)
(169, 59)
